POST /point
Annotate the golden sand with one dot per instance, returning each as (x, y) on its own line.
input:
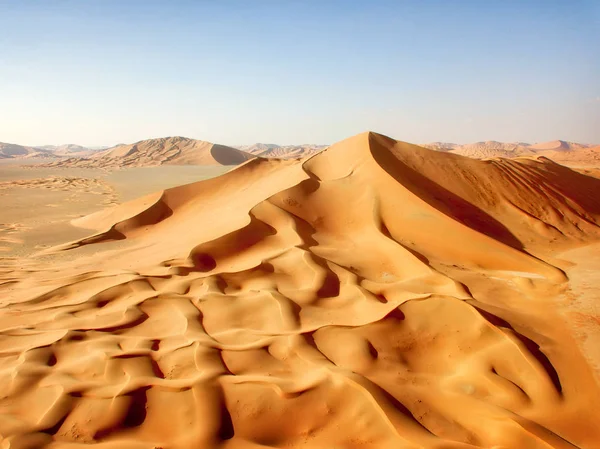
(375, 295)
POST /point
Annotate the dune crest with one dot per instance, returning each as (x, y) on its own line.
(377, 294)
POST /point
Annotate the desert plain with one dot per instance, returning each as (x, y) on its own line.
(371, 294)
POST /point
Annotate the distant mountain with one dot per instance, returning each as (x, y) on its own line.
(162, 151)
(14, 151)
(270, 150)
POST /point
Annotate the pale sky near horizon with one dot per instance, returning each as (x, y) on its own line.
(237, 72)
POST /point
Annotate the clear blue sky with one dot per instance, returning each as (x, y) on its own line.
(109, 71)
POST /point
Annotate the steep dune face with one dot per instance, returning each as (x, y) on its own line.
(164, 151)
(378, 295)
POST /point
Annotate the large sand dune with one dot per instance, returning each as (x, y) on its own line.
(163, 151)
(375, 295)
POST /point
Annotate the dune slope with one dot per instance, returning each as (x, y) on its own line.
(375, 295)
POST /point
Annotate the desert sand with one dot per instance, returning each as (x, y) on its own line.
(375, 295)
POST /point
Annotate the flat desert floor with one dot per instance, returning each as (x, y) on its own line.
(376, 295)
(38, 203)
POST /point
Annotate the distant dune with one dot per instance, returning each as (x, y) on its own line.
(13, 151)
(558, 150)
(558, 145)
(483, 150)
(282, 151)
(162, 151)
(184, 151)
(375, 295)
(577, 157)
(440, 146)
(70, 150)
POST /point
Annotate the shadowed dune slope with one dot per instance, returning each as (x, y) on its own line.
(375, 295)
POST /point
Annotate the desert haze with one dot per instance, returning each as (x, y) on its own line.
(372, 294)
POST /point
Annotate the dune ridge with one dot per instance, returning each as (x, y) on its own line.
(377, 294)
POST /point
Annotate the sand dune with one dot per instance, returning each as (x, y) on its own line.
(38, 202)
(163, 151)
(375, 295)
(270, 150)
(68, 150)
(558, 145)
(13, 151)
(483, 150)
(585, 157)
(569, 153)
